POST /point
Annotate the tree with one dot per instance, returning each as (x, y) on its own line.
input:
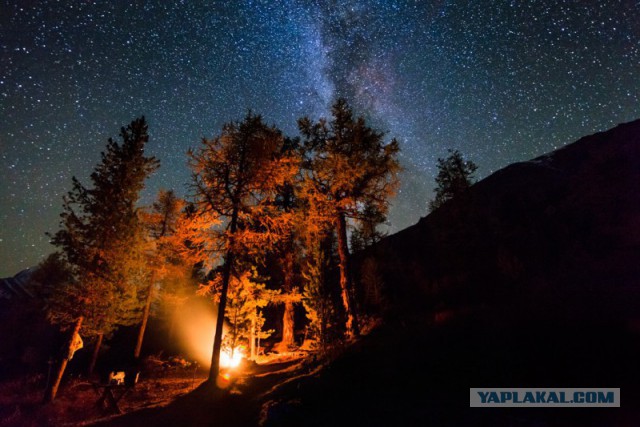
(169, 260)
(235, 177)
(347, 166)
(288, 249)
(247, 295)
(455, 176)
(101, 241)
(366, 232)
(317, 298)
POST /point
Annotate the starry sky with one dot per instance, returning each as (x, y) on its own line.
(502, 81)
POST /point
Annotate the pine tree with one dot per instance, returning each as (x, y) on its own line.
(316, 297)
(247, 296)
(235, 177)
(288, 249)
(347, 166)
(169, 261)
(366, 232)
(455, 176)
(101, 241)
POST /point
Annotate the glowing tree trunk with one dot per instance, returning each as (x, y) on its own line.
(353, 329)
(94, 355)
(288, 325)
(145, 317)
(52, 388)
(226, 276)
(252, 338)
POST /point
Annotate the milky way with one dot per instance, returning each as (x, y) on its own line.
(501, 81)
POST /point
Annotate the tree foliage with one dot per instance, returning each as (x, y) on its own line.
(170, 257)
(247, 297)
(366, 232)
(455, 176)
(317, 297)
(235, 177)
(101, 237)
(347, 167)
(101, 240)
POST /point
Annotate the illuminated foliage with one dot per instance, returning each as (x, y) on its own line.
(102, 243)
(235, 177)
(170, 258)
(247, 296)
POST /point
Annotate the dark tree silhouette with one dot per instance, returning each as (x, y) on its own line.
(455, 176)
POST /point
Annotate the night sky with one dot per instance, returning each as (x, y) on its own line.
(502, 81)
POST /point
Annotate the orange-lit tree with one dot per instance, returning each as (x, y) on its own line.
(247, 296)
(101, 243)
(235, 177)
(289, 247)
(169, 255)
(347, 166)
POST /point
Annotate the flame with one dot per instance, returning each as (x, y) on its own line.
(196, 326)
(229, 360)
(224, 380)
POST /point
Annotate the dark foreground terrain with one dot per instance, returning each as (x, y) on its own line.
(415, 371)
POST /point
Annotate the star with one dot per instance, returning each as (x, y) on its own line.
(500, 81)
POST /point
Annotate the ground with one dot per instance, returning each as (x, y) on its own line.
(414, 369)
(172, 398)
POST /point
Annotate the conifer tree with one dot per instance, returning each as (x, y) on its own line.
(169, 260)
(288, 248)
(101, 241)
(366, 232)
(235, 177)
(455, 176)
(247, 296)
(316, 295)
(347, 166)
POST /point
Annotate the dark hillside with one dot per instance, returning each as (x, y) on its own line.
(569, 220)
(530, 280)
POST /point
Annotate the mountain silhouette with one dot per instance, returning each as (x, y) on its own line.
(531, 279)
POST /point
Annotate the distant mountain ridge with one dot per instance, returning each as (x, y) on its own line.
(572, 215)
(16, 286)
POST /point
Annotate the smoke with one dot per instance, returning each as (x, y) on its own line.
(196, 325)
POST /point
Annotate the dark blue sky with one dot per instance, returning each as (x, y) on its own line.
(501, 81)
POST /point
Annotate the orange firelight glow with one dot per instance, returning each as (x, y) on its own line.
(196, 326)
(228, 360)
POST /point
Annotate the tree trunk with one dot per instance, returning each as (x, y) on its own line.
(345, 278)
(226, 275)
(94, 356)
(52, 389)
(252, 338)
(288, 325)
(145, 316)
